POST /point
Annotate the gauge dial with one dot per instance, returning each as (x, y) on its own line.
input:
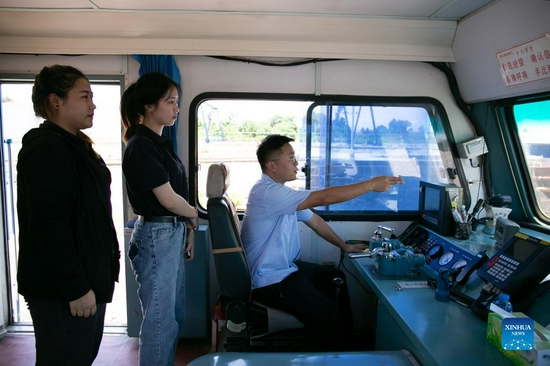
(446, 258)
(459, 264)
(435, 251)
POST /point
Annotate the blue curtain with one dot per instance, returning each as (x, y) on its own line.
(166, 65)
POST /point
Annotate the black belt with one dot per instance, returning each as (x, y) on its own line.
(166, 219)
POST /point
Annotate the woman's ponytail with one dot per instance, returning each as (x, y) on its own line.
(129, 112)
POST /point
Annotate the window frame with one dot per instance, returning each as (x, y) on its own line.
(317, 100)
(525, 189)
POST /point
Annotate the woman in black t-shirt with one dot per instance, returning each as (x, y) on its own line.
(157, 189)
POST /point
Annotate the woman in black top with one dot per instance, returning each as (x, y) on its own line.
(68, 249)
(157, 189)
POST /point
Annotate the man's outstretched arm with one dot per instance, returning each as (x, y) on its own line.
(337, 194)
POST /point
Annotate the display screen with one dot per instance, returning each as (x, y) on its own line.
(435, 206)
(521, 250)
(431, 199)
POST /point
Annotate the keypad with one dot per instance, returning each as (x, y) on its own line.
(503, 268)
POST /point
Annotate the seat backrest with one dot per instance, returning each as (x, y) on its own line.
(232, 271)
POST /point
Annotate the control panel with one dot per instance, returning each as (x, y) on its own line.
(439, 251)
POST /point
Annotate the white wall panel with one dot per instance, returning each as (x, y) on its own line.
(97, 65)
(480, 37)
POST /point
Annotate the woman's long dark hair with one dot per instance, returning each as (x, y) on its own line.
(149, 89)
(58, 80)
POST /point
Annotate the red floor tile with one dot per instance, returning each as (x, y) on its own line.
(116, 350)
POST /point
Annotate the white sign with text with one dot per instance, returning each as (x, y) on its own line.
(525, 63)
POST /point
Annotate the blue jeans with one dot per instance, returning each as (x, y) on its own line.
(62, 339)
(156, 252)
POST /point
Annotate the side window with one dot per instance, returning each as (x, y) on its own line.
(533, 126)
(336, 143)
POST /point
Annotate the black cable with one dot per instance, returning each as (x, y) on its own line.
(464, 107)
(368, 290)
(265, 63)
(482, 160)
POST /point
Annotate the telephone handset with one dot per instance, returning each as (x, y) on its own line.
(519, 266)
(474, 264)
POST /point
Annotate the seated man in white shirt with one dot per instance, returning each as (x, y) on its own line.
(271, 241)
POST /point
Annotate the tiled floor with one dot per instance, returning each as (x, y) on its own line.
(17, 349)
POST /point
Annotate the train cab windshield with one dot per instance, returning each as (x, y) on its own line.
(338, 141)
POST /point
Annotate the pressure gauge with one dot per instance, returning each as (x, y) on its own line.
(435, 251)
(459, 264)
(446, 258)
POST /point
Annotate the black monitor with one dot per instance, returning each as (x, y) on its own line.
(435, 206)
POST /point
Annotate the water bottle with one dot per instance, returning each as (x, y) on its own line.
(503, 302)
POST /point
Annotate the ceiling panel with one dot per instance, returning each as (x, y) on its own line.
(423, 9)
(459, 9)
(416, 8)
(47, 4)
(420, 30)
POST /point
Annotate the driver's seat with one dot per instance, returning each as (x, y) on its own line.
(248, 324)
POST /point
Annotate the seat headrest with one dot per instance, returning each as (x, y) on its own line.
(217, 181)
